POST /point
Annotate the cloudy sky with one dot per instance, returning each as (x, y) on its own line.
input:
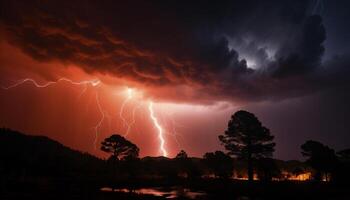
(197, 62)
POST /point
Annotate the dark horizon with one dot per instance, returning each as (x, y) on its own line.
(106, 155)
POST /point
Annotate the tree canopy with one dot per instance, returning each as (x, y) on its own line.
(320, 157)
(181, 155)
(119, 147)
(219, 163)
(246, 138)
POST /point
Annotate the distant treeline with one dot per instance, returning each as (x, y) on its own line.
(249, 148)
(249, 155)
(24, 156)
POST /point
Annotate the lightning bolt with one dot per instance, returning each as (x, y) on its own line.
(103, 113)
(129, 96)
(159, 128)
(98, 125)
(93, 83)
(175, 132)
(36, 84)
(121, 112)
(129, 125)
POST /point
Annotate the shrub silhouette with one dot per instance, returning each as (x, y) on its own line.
(181, 155)
(219, 163)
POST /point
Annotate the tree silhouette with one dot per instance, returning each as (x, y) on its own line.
(187, 166)
(247, 139)
(297, 171)
(219, 163)
(182, 163)
(119, 148)
(181, 155)
(267, 169)
(342, 173)
(344, 154)
(321, 158)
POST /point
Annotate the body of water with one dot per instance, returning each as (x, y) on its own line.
(169, 193)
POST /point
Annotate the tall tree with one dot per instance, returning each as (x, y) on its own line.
(182, 163)
(320, 157)
(246, 138)
(119, 147)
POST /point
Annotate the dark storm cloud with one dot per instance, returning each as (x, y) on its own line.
(305, 52)
(204, 45)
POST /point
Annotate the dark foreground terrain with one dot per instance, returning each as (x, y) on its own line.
(201, 189)
(34, 167)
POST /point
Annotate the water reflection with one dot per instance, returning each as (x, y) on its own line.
(169, 193)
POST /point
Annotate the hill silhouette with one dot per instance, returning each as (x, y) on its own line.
(37, 166)
(24, 155)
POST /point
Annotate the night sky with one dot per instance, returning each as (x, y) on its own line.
(198, 62)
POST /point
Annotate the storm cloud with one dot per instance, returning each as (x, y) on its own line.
(225, 51)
